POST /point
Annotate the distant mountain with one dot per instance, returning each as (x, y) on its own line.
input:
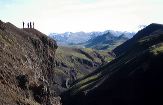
(108, 40)
(133, 78)
(125, 33)
(70, 38)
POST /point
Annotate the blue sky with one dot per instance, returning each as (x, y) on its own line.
(82, 15)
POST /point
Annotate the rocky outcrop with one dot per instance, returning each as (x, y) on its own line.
(26, 67)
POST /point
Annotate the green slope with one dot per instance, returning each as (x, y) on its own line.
(82, 60)
(127, 80)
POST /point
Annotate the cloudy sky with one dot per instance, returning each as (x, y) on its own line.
(82, 15)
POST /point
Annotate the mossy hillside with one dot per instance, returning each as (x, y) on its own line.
(81, 58)
(65, 51)
(69, 51)
(157, 49)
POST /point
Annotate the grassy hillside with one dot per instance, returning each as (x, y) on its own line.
(82, 60)
(134, 78)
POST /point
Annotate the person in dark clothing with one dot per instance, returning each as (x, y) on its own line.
(33, 24)
(28, 25)
(23, 24)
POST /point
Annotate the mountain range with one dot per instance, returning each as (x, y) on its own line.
(77, 38)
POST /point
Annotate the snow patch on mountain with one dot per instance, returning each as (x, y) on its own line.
(69, 38)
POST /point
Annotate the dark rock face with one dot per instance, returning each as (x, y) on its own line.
(23, 81)
(26, 65)
(45, 50)
(40, 93)
(2, 25)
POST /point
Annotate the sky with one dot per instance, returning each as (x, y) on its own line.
(58, 16)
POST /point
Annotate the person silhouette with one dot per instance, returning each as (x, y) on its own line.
(28, 25)
(33, 24)
(23, 24)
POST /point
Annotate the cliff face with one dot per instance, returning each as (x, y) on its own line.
(26, 66)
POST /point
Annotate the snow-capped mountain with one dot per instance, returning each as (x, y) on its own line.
(125, 33)
(73, 38)
(69, 38)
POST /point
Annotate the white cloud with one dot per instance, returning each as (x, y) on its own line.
(83, 15)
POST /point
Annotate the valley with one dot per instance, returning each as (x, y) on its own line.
(83, 61)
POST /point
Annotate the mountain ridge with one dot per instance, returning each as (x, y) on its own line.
(146, 31)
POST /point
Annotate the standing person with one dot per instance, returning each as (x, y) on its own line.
(33, 25)
(23, 24)
(28, 25)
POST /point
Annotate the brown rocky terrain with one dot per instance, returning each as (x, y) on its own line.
(26, 67)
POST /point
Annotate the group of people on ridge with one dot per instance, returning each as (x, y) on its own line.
(29, 25)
